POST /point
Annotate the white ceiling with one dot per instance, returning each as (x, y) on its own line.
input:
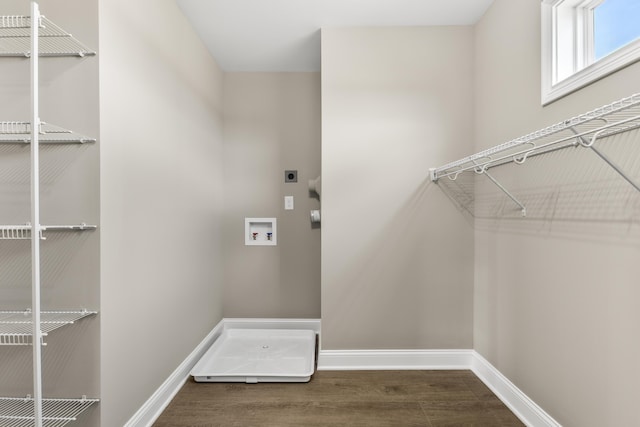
(284, 35)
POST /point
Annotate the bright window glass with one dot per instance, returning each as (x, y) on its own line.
(586, 40)
(616, 24)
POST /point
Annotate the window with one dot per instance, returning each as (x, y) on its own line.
(615, 24)
(584, 40)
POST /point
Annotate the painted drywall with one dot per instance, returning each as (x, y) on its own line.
(556, 301)
(397, 260)
(271, 124)
(69, 194)
(161, 198)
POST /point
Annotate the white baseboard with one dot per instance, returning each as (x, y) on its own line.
(153, 407)
(521, 405)
(518, 402)
(331, 360)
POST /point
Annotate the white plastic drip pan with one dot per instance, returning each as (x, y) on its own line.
(259, 355)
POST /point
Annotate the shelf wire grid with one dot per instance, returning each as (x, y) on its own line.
(23, 232)
(16, 326)
(54, 41)
(565, 185)
(19, 412)
(617, 117)
(552, 175)
(15, 40)
(20, 133)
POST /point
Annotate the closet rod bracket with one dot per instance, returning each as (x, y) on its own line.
(615, 167)
(590, 144)
(482, 170)
(433, 175)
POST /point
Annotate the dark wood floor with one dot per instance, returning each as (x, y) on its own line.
(343, 398)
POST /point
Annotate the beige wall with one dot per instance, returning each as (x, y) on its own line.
(556, 301)
(553, 308)
(271, 124)
(69, 194)
(161, 198)
(397, 259)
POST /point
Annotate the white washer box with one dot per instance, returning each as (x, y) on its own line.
(260, 231)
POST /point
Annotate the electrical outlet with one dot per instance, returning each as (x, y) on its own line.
(291, 176)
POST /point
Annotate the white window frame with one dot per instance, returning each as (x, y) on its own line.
(567, 49)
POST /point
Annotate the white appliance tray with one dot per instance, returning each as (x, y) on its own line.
(259, 355)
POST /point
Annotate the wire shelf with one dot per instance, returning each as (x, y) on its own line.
(20, 133)
(19, 411)
(23, 328)
(604, 123)
(620, 116)
(23, 232)
(53, 40)
(16, 326)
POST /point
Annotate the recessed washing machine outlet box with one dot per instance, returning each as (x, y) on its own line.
(260, 232)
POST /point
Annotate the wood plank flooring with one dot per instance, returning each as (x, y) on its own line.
(343, 398)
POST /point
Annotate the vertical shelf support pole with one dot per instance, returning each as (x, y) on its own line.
(35, 217)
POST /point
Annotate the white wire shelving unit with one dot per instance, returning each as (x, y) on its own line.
(585, 131)
(20, 133)
(16, 327)
(35, 36)
(18, 411)
(15, 38)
